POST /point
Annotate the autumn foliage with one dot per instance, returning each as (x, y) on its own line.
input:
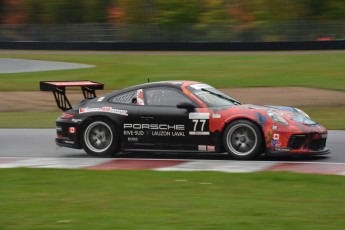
(244, 13)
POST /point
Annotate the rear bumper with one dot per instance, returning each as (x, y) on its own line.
(67, 133)
(66, 142)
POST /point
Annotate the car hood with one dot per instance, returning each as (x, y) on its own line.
(289, 113)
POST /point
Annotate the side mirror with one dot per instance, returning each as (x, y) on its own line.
(186, 105)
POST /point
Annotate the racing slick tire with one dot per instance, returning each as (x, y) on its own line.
(100, 138)
(242, 140)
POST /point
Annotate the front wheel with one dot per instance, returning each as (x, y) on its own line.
(100, 139)
(242, 140)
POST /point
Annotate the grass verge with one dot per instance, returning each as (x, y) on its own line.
(121, 70)
(28, 119)
(331, 118)
(79, 199)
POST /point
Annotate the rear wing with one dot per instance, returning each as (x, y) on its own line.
(59, 90)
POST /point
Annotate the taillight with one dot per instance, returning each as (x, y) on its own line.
(66, 116)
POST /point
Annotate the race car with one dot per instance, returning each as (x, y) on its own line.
(180, 116)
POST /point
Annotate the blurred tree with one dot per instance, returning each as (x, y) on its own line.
(116, 14)
(177, 12)
(243, 13)
(168, 12)
(177, 18)
(277, 10)
(95, 11)
(335, 10)
(14, 12)
(214, 11)
(36, 11)
(67, 11)
(2, 10)
(137, 11)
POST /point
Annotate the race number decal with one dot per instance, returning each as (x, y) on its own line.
(199, 124)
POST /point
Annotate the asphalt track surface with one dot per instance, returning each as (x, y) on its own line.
(13, 65)
(40, 143)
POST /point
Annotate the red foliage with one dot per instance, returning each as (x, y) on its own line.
(242, 16)
(115, 15)
(14, 14)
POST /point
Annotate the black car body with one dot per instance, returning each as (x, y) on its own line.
(179, 116)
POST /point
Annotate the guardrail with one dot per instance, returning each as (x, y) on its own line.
(176, 46)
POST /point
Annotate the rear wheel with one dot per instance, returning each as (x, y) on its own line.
(100, 139)
(242, 140)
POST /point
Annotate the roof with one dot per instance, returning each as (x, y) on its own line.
(177, 84)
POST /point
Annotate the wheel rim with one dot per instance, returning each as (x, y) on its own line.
(241, 139)
(98, 136)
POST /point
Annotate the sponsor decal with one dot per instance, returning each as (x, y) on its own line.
(261, 118)
(200, 86)
(77, 120)
(211, 148)
(167, 133)
(199, 133)
(275, 136)
(320, 135)
(133, 133)
(276, 143)
(216, 115)
(274, 127)
(175, 82)
(58, 128)
(282, 149)
(140, 97)
(105, 109)
(100, 99)
(154, 127)
(202, 147)
(68, 142)
(132, 139)
(199, 115)
(164, 130)
(161, 133)
(71, 130)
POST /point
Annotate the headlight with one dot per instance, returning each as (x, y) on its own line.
(304, 120)
(302, 113)
(276, 117)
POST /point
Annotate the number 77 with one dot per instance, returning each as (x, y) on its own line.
(202, 124)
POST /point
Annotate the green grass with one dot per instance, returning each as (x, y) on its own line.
(319, 70)
(118, 71)
(78, 199)
(28, 119)
(331, 118)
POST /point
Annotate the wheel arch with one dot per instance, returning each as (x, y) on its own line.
(85, 122)
(228, 122)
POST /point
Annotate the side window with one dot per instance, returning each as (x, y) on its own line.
(125, 98)
(164, 97)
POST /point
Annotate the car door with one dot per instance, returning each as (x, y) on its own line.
(128, 101)
(166, 127)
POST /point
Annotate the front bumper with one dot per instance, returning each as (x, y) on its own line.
(288, 151)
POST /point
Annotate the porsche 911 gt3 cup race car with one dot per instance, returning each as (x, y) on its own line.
(180, 116)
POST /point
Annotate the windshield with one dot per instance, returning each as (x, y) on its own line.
(211, 96)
